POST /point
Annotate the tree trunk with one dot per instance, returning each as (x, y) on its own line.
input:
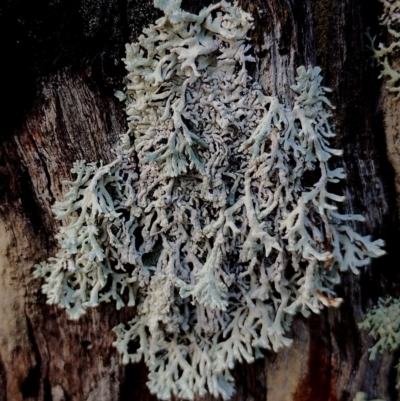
(61, 62)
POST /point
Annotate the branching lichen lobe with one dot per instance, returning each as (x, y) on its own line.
(384, 54)
(204, 220)
(383, 324)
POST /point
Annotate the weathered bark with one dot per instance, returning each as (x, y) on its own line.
(60, 108)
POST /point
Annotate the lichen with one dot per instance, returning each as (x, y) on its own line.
(360, 396)
(205, 220)
(383, 324)
(383, 54)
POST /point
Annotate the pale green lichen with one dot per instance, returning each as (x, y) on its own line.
(383, 54)
(383, 324)
(204, 220)
(360, 396)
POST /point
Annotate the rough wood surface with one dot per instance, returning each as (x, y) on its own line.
(391, 122)
(60, 108)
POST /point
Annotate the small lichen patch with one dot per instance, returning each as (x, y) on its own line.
(383, 324)
(360, 396)
(384, 54)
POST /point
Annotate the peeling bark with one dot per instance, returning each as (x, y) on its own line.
(60, 108)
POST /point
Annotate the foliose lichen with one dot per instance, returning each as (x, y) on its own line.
(360, 396)
(383, 54)
(205, 220)
(383, 324)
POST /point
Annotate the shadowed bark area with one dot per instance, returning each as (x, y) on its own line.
(61, 66)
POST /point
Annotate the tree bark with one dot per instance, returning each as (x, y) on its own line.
(60, 107)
